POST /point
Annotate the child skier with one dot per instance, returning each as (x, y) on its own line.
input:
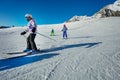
(52, 32)
(32, 27)
(64, 31)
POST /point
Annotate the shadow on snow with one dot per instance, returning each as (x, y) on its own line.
(17, 62)
(81, 37)
(87, 45)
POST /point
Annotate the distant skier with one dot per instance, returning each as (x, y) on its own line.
(65, 32)
(52, 32)
(32, 27)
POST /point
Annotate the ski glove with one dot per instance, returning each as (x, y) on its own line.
(23, 33)
(34, 29)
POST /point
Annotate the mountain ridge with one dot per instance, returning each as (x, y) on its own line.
(107, 11)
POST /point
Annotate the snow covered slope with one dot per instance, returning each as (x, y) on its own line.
(92, 52)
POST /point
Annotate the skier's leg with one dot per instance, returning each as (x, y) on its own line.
(66, 35)
(28, 43)
(52, 33)
(32, 42)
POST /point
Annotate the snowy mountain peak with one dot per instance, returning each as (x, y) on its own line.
(115, 6)
(109, 10)
(117, 3)
(78, 18)
(73, 19)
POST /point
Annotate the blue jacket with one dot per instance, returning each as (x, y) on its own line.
(64, 29)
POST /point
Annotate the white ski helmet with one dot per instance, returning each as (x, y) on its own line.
(28, 15)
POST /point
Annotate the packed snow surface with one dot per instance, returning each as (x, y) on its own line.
(91, 52)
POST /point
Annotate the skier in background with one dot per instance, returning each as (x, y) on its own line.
(64, 31)
(32, 28)
(52, 32)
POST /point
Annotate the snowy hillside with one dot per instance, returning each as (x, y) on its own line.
(92, 52)
(79, 18)
(109, 10)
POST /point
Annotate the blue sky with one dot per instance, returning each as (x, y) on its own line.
(47, 11)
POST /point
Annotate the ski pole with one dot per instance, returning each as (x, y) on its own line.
(46, 36)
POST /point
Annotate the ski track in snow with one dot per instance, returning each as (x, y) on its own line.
(91, 52)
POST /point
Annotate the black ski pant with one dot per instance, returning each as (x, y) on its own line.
(31, 42)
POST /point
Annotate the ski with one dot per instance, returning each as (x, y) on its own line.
(13, 55)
